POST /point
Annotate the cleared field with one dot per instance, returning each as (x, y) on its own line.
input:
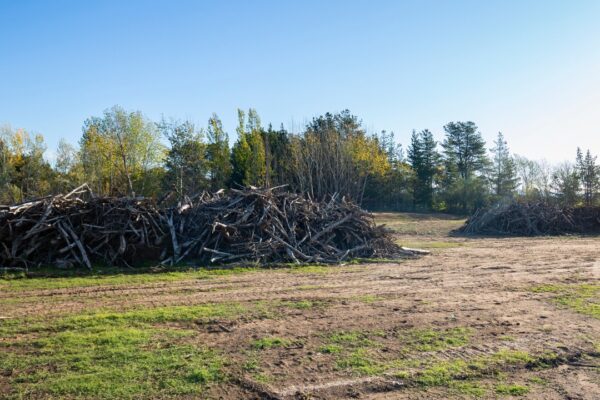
(483, 317)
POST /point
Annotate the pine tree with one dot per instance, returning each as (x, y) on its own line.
(503, 173)
(589, 175)
(424, 159)
(414, 155)
(465, 161)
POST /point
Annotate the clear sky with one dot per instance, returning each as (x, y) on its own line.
(530, 69)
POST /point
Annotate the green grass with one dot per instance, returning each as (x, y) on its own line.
(367, 298)
(330, 349)
(582, 298)
(270, 342)
(361, 361)
(11, 283)
(441, 373)
(50, 279)
(303, 304)
(141, 317)
(467, 388)
(142, 353)
(357, 350)
(512, 390)
(449, 373)
(110, 362)
(429, 339)
(262, 378)
(538, 381)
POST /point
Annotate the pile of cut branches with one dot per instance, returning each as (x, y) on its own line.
(532, 219)
(249, 225)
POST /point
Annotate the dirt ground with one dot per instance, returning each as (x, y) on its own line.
(478, 317)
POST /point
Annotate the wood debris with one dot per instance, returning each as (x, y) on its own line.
(532, 219)
(247, 225)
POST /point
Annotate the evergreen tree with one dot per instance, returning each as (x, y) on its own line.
(424, 160)
(465, 162)
(565, 184)
(278, 157)
(503, 173)
(217, 154)
(589, 175)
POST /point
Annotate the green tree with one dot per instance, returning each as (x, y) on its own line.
(465, 161)
(121, 152)
(68, 168)
(248, 154)
(256, 174)
(217, 154)
(186, 167)
(565, 184)
(24, 173)
(589, 175)
(278, 157)
(503, 174)
(334, 155)
(6, 169)
(424, 160)
(240, 154)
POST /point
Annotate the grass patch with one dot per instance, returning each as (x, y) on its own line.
(512, 390)
(49, 278)
(110, 362)
(435, 340)
(98, 278)
(303, 304)
(361, 361)
(367, 298)
(451, 373)
(538, 381)
(262, 378)
(141, 318)
(582, 298)
(470, 389)
(142, 353)
(270, 342)
(330, 349)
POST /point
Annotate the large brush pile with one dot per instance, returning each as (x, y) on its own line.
(250, 225)
(532, 219)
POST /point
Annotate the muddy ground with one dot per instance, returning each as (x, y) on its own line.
(478, 317)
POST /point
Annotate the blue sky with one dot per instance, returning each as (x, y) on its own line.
(527, 68)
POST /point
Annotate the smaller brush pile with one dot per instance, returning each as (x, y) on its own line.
(249, 225)
(532, 219)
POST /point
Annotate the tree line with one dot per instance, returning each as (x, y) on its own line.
(124, 153)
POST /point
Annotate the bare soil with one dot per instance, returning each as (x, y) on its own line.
(483, 285)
